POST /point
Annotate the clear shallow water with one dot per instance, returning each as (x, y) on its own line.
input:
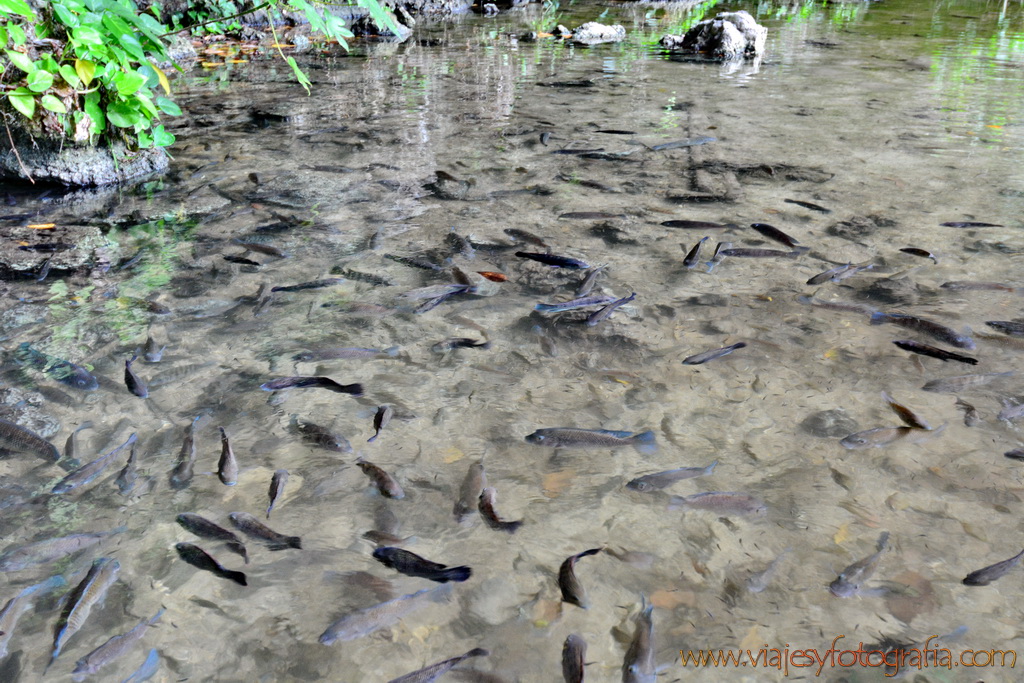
(897, 117)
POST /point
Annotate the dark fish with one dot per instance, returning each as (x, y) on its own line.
(932, 329)
(722, 502)
(587, 284)
(368, 278)
(954, 385)
(460, 244)
(241, 260)
(261, 248)
(19, 604)
(969, 224)
(459, 343)
(151, 352)
(969, 285)
(414, 262)
(366, 621)
(315, 284)
(743, 252)
(204, 528)
(572, 437)
(697, 225)
(380, 420)
(908, 416)
(314, 382)
(926, 350)
(986, 575)
(20, 440)
(572, 590)
(638, 665)
(693, 256)
(115, 647)
(706, 356)
(253, 528)
(1015, 454)
(47, 248)
(22, 557)
(181, 475)
(61, 370)
(200, 559)
(227, 467)
(609, 308)
(574, 656)
(412, 564)
(851, 580)
(582, 302)
(544, 137)
(717, 257)
(89, 592)
(875, 438)
(554, 260)
(839, 273)
(344, 353)
(322, 437)
(469, 493)
(971, 416)
(434, 671)
(524, 236)
(277, 484)
(613, 131)
(677, 144)
(486, 507)
(808, 205)
(578, 152)
(591, 215)
(132, 381)
(773, 233)
(660, 480)
(88, 472)
(385, 483)
(923, 253)
(1014, 328)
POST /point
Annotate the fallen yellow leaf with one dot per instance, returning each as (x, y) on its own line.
(842, 534)
(556, 482)
(42, 226)
(451, 455)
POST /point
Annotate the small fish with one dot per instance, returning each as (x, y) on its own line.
(70, 446)
(179, 373)
(21, 440)
(926, 350)
(380, 420)
(1014, 328)
(954, 385)
(839, 273)
(908, 416)
(597, 316)
(524, 236)
(314, 284)
(697, 225)
(836, 305)
(204, 528)
(492, 276)
(722, 502)
(572, 590)
(459, 343)
(414, 262)
(660, 480)
(586, 285)
(875, 438)
(344, 353)
(582, 302)
(677, 144)
(253, 528)
(1015, 454)
(640, 560)
(578, 152)
(382, 538)
(277, 484)
(638, 665)
(851, 580)
(436, 291)
(89, 592)
(932, 329)
(693, 256)
(147, 670)
(706, 356)
(614, 131)
(971, 416)
(965, 285)
(554, 260)
(132, 381)
(574, 656)
(488, 496)
(181, 475)
(544, 137)
(572, 437)
(227, 467)
(260, 247)
(22, 557)
(435, 671)
(412, 564)
(114, 648)
(321, 436)
(743, 252)
(366, 621)
(241, 260)
(312, 382)
(151, 352)
(469, 493)
(19, 604)
(773, 233)
(717, 257)
(808, 205)
(923, 253)
(986, 575)
(385, 483)
(61, 370)
(200, 559)
(591, 215)
(368, 278)
(758, 581)
(969, 224)
(88, 472)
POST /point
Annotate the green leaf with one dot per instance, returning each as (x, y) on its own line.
(69, 76)
(3, 36)
(122, 116)
(145, 140)
(168, 107)
(39, 80)
(85, 70)
(18, 7)
(23, 100)
(17, 34)
(53, 104)
(147, 105)
(161, 138)
(381, 17)
(65, 15)
(299, 76)
(86, 35)
(128, 82)
(95, 112)
(21, 61)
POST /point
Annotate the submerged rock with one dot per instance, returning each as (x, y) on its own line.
(593, 33)
(730, 35)
(61, 162)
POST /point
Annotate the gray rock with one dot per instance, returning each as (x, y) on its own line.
(65, 163)
(593, 33)
(730, 35)
(830, 424)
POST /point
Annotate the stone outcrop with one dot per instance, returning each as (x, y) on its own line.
(730, 35)
(593, 33)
